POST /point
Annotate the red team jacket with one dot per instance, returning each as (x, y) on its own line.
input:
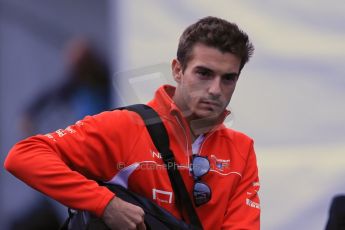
(115, 147)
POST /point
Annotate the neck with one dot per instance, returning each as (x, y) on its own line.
(201, 126)
(196, 125)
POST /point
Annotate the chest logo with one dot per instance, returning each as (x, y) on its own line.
(219, 164)
(162, 196)
(155, 154)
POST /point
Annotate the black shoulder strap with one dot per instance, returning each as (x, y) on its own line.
(160, 139)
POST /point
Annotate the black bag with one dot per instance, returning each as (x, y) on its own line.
(155, 217)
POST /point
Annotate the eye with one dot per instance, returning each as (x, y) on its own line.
(204, 74)
(230, 78)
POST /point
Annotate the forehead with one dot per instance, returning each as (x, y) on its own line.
(213, 58)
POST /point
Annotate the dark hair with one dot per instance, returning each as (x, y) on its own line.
(217, 33)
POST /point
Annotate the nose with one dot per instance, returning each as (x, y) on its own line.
(215, 87)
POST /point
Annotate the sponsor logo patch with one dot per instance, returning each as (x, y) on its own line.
(162, 196)
(219, 164)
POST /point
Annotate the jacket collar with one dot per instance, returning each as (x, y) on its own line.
(166, 107)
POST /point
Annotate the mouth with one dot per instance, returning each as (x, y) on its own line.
(211, 103)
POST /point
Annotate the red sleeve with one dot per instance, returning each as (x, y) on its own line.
(65, 164)
(243, 210)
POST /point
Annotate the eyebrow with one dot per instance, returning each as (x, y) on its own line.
(231, 75)
(203, 68)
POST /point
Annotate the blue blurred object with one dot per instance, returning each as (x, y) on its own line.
(86, 90)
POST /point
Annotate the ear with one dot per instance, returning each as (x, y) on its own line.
(176, 70)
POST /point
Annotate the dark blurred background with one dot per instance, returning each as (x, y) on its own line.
(52, 54)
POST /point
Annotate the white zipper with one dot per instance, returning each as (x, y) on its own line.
(211, 132)
(202, 144)
(185, 134)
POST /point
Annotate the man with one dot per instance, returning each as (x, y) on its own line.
(115, 146)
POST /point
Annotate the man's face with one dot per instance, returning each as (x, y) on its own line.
(205, 88)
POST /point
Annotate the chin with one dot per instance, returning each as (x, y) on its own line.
(207, 115)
